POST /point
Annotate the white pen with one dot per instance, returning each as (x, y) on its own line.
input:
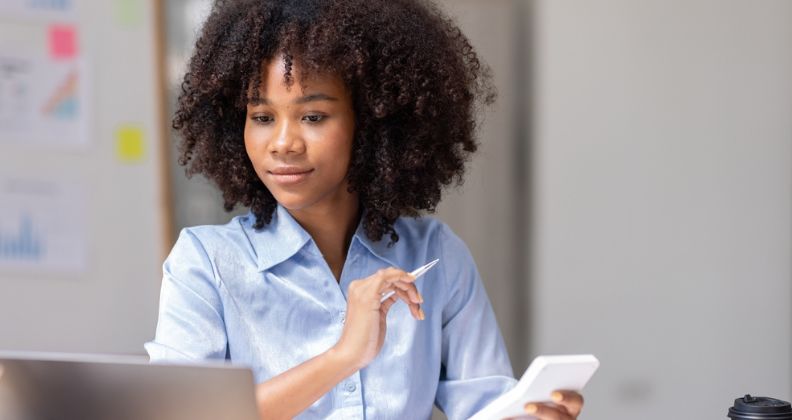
(418, 272)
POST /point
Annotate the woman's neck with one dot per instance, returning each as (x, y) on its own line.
(332, 228)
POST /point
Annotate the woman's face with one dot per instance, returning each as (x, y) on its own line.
(299, 138)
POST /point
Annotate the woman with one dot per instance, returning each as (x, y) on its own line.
(336, 122)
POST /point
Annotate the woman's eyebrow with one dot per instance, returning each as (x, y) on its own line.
(258, 101)
(315, 97)
(305, 99)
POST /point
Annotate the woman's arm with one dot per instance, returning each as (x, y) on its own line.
(477, 367)
(291, 392)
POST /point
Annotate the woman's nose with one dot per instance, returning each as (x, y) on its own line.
(288, 140)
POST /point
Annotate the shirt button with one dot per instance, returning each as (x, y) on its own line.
(342, 317)
(350, 387)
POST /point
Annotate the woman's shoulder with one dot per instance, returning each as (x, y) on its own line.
(426, 230)
(212, 237)
(236, 225)
(426, 238)
(224, 250)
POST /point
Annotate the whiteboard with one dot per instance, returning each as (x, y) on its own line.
(84, 225)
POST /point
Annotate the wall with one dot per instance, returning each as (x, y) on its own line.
(86, 177)
(661, 173)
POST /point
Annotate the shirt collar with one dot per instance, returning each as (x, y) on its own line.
(378, 248)
(283, 237)
(279, 240)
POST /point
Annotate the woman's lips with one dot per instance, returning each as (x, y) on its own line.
(289, 176)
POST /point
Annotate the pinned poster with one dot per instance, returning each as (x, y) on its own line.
(42, 226)
(130, 144)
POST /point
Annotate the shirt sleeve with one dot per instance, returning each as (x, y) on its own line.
(475, 365)
(190, 325)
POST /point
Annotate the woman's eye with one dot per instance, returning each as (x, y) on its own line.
(314, 118)
(262, 119)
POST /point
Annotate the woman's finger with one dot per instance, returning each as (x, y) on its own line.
(395, 273)
(412, 291)
(546, 412)
(385, 278)
(571, 400)
(386, 305)
(376, 285)
(415, 309)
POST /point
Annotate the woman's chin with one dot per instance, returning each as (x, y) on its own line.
(292, 201)
(309, 199)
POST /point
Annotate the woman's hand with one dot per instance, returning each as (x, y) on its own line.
(364, 328)
(567, 407)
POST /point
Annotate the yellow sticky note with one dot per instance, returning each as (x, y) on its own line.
(130, 144)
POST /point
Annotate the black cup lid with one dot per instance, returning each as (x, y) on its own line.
(749, 407)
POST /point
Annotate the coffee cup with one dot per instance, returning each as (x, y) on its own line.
(760, 408)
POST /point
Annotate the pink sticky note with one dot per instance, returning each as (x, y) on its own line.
(62, 41)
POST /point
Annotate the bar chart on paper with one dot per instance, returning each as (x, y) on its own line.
(42, 226)
(23, 244)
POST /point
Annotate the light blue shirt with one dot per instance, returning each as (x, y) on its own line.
(268, 300)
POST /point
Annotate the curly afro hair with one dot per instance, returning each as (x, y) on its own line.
(415, 81)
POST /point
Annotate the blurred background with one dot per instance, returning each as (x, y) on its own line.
(632, 197)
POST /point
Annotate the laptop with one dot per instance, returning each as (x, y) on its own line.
(51, 386)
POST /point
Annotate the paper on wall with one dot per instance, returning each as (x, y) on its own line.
(42, 225)
(43, 101)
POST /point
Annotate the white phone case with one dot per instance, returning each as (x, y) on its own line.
(545, 375)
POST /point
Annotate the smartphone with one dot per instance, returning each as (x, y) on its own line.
(545, 375)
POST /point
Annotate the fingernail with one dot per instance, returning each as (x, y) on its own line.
(557, 396)
(420, 298)
(421, 314)
(531, 408)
